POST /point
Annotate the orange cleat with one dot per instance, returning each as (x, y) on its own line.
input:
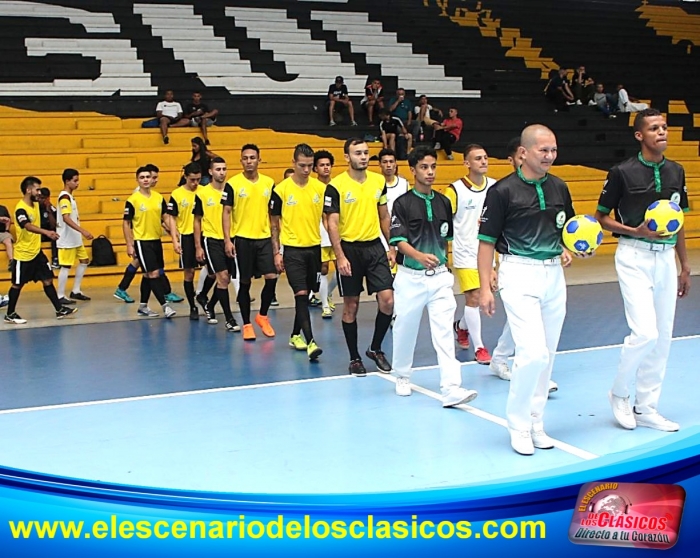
(248, 332)
(264, 324)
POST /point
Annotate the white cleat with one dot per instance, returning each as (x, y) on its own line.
(458, 396)
(656, 421)
(622, 410)
(500, 369)
(521, 442)
(540, 439)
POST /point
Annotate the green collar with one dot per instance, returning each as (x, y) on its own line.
(538, 186)
(427, 198)
(655, 166)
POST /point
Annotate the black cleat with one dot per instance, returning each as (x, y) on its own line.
(232, 325)
(65, 302)
(356, 368)
(79, 296)
(65, 311)
(194, 314)
(380, 359)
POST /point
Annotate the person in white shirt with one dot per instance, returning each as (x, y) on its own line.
(170, 115)
(624, 103)
(323, 167)
(422, 112)
(395, 184)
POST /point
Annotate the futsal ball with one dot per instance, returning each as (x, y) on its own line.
(582, 234)
(664, 217)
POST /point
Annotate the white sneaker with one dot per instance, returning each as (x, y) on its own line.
(169, 312)
(403, 386)
(578, 102)
(458, 396)
(623, 411)
(540, 439)
(656, 421)
(147, 312)
(438, 146)
(500, 369)
(521, 442)
(553, 386)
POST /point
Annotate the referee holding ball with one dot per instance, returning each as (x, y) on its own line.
(523, 217)
(646, 269)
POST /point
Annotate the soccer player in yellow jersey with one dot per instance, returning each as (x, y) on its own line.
(144, 213)
(246, 220)
(209, 242)
(30, 263)
(180, 209)
(323, 167)
(295, 213)
(357, 217)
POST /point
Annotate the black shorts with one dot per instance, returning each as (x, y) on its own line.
(368, 261)
(35, 270)
(150, 254)
(216, 258)
(254, 257)
(187, 258)
(303, 268)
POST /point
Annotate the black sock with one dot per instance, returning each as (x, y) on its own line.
(14, 297)
(165, 282)
(350, 331)
(296, 330)
(213, 300)
(129, 274)
(381, 326)
(189, 293)
(157, 288)
(50, 291)
(224, 300)
(267, 295)
(301, 305)
(208, 284)
(145, 289)
(244, 301)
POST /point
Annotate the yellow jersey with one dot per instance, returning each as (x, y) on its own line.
(250, 202)
(207, 205)
(145, 214)
(181, 206)
(28, 244)
(301, 209)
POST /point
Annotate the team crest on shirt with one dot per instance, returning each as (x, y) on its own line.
(184, 203)
(349, 198)
(443, 229)
(561, 219)
(242, 193)
(317, 198)
(210, 202)
(143, 207)
(394, 222)
(470, 204)
(266, 193)
(291, 200)
(676, 197)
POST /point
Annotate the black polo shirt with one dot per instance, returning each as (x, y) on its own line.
(425, 222)
(526, 217)
(633, 185)
(336, 90)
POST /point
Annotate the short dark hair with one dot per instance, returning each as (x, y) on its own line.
(350, 142)
(323, 154)
(28, 182)
(386, 152)
(383, 112)
(303, 150)
(288, 172)
(217, 161)
(192, 168)
(146, 168)
(69, 174)
(641, 115)
(512, 146)
(472, 147)
(152, 168)
(420, 153)
(250, 146)
(45, 192)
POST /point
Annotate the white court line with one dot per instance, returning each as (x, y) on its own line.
(568, 448)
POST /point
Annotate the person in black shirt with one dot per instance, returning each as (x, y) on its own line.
(338, 93)
(421, 227)
(523, 217)
(559, 92)
(201, 115)
(646, 268)
(48, 222)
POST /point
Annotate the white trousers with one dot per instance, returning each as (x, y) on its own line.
(648, 282)
(505, 346)
(414, 291)
(534, 296)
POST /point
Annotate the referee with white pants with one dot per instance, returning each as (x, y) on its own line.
(421, 226)
(646, 269)
(523, 217)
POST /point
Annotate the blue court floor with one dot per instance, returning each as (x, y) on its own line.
(185, 405)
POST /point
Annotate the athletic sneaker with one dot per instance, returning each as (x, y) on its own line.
(65, 302)
(540, 439)
(248, 332)
(79, 296)
(64, 311)
(314, 301)
(264, 324)
(356, 368)
(274, 301)
(403, 386)
(521, 441)
(4, 300)
(458, 396)
(462, 336)
(656, 421)
(123, 295)
(169, 312)
(327, 313)
(232, 325)
(147, 312)
(297, 342)
(313, 350)
(194, 314)
(380, 359)
(14, 318)
(500, 369)
(483, 356)
(172, 297)
(553, 386)
(202, 300)
(622, 411)
(210, 314)
(331, 304)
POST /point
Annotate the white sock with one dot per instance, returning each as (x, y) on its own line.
(79, 277)
(332, 283)
(62, 281)
(323, 291)
(200, 281)
(472, 318)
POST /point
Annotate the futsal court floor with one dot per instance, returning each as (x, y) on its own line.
(186, 405)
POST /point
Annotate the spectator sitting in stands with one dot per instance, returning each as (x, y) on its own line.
(558, 91)
(389, 128)
(605, 102)
(338, 93)
(583, 86)
(169, 113)
(5, 236)
(199, 115)
(447, 133)
(202, 156)
(48, 222)
(423, 114)
(627, 103)
(403, 108)
(374, 96)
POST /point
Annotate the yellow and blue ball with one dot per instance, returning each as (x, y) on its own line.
(664, 217)
(582, 234)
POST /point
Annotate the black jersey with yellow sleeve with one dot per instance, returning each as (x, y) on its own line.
(356, 203)
(181, 206)
(145, 214)
(250, 202)
(207, 205)
(301, 209)
(27, 244)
